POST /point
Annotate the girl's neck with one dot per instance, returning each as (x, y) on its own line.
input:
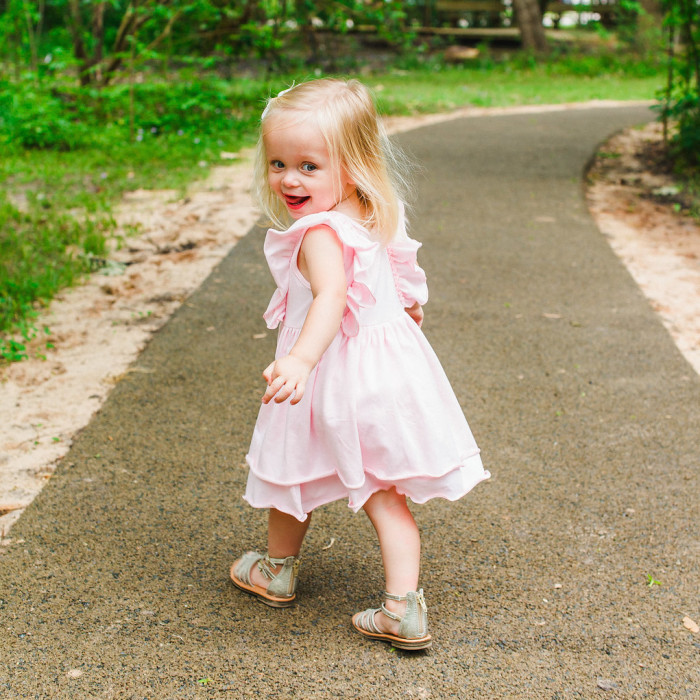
(351, 206)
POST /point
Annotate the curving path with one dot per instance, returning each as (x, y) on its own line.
(537, 583)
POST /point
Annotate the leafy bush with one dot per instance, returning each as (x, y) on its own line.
(34, 118)
(681, 95)
(70, 118)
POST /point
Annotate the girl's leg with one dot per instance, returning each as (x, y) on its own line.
(285, 535)
(399, 540)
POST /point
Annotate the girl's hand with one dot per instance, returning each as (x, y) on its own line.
(285, 377)
(416, 313)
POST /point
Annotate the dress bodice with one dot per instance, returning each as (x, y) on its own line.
(379, 279)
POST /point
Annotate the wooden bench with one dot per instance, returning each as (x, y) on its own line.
(458, 7)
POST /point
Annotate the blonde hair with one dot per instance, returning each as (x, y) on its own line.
(346, 117)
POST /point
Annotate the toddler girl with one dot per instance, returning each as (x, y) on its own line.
(357, 405)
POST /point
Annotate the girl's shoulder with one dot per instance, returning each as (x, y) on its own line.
(350, 232)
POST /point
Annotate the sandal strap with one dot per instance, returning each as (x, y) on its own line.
(390, 614)
(267, 564)
(400, 598)
(245, 564)
(365, 620)
(265, 567)
(275, 561)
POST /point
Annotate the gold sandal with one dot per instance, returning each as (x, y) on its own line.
(281, 591)
(413, 626)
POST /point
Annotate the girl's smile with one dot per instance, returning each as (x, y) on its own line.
(300, 170)
(295, 203)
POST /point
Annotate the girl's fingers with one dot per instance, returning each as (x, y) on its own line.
(272, 389)
(300, 388)
(286, 391)
(267, 372)
(284, 378)
(281, 390)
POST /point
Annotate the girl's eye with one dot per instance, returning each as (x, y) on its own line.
(308, 167)
(277, 164)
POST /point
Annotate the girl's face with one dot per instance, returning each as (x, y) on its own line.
(299, 168)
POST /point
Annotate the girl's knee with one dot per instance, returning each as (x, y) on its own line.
(387, 503)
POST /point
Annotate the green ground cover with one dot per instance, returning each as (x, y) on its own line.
(66, 156)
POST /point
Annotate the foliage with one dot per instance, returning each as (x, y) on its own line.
(101, 40)
(681, 95)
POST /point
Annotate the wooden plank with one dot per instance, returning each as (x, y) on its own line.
(476, 32)
(511, 33)
(458, 6)
(598, 7)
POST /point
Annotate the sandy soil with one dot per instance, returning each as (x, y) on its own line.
(99, 328)
(634, 204)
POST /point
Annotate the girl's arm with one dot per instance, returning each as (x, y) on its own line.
(416, 313)
(321, 262)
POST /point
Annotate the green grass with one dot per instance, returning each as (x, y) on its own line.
(422, 94)
(67, 156)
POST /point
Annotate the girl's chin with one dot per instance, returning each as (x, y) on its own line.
(304, 210)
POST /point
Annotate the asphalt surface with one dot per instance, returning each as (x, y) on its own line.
(537, 582)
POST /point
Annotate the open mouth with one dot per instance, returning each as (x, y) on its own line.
(295, 202)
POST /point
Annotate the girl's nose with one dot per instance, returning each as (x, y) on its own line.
(290, 179)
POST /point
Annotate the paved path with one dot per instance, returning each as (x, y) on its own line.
(586, 413)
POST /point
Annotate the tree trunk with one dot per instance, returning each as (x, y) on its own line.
(75, 22)
(530, 22)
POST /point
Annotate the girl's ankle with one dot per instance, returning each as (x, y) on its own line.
(395, 606)
(259, 579)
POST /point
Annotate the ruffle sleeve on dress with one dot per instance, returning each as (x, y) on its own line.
(282, 248)
(409, 277)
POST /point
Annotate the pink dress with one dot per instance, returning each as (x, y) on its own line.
(378, 410)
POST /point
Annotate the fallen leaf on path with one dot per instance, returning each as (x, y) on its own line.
(552, 315)
(330, 544)
(691, 625)
(259, 336)
(605, 684)
(74, 673)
